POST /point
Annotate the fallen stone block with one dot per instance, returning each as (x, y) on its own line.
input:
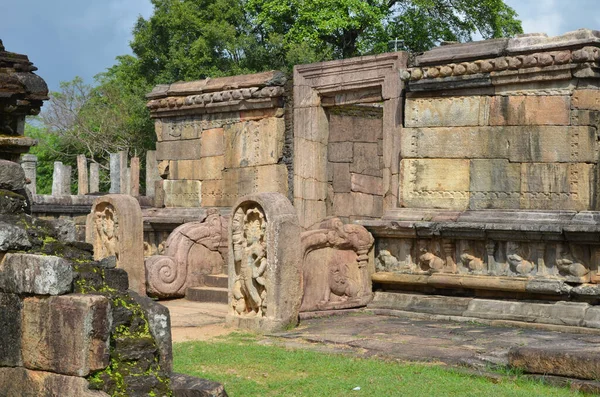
(189, 386)
(571, 362)
(13, 237)
(35, 274)
(19, 382)
(66, 334)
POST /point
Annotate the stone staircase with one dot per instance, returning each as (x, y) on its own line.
(214, 290)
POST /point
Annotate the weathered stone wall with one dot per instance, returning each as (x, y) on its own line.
(220, 139)
(506, 124)
(355, 162)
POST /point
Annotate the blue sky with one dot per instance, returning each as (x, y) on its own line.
(68, 38)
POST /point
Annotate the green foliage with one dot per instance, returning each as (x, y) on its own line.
(249, 368)
(331, 29)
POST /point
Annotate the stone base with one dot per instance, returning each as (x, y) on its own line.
(575, 314)
(190, 386)
(574, 363)
(259, 324)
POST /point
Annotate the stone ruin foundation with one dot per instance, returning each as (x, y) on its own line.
(70, 324)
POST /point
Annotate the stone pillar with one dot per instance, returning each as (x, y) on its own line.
(29, 165)
(115, 173)
(94, 178)
(152, 174)
(61, 179)
(134, 177)
(124, 182)
(82, 175)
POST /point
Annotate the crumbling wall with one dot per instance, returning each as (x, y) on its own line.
(220, 139)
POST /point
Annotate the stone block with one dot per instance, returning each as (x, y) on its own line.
(13, 237)
(586, 99)
(66, 334)
(585, 117)
(559, 313)
(20, 382)
(365, 160)
(212, 142)
(201, 169)
(184, 169)
(257, 114)
(342, 182)
(309, 189)
(447, 112)
(340, 152)
(514, 143)
(530, 110)
(592, 317)
(494, 183)
(212, 193)
(12, 176)
(211, 168)
(182, 193)
(253, 143)
(178, 150)
(10, 324)
(35, 274)
(310, 159)
(556, 186)
(159, 322)
(189, 386)
(367, 184)
(437, 183)
(272, 178)
(582, 363)
(367, 205)
(345, 128)
(445, 305)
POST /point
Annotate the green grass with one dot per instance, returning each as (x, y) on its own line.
(247, 368)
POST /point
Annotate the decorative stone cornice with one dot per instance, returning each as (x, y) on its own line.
(492, 62)
(214, 95)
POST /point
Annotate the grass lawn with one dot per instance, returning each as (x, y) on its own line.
(247, 368)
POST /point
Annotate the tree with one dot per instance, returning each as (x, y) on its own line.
(331, 29)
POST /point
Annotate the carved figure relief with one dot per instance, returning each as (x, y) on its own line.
(191, 251)
(250, 256)
(106, 223)
(471, 262)
(519, 265)
(569, 265)
(386, 262)
(428, 262)
(335, 266)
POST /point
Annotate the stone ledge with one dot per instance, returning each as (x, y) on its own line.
(555, 314)
(571, 362)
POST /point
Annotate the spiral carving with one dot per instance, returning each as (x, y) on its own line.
(162, 274)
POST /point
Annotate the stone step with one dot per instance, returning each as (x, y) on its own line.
(216, 280)
(207, 294)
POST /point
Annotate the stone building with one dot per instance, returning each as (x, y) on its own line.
(474, 165)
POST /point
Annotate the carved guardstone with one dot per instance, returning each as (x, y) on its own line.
(336, 267)
(115, 228)
(265, 281)
(191, 251)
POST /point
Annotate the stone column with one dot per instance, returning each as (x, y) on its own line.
(134, 177)
(94, 178)
(61, 179)
(115, 173)
(29, 165)
(123, 173)
(126, 180)
(82, 175)
(152, 174)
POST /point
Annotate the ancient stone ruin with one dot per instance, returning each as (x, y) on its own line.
(70, 324)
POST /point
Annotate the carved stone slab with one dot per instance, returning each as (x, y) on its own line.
(115, 228)
(265, 280)
(191, 251)
(336, 266)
